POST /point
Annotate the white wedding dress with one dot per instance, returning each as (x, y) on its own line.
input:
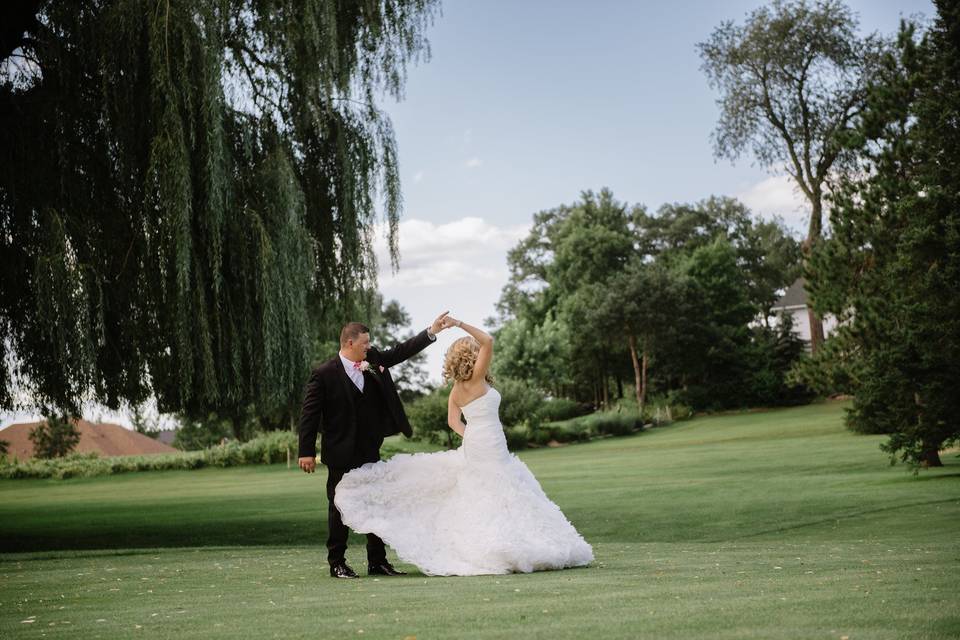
(470, 511)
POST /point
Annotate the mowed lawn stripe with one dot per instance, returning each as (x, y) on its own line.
(767, 524)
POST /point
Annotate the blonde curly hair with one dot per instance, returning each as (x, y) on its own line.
(460, 358)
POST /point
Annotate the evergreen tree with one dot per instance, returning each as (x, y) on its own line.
(188, 191)
(891, 271)
(769, 359)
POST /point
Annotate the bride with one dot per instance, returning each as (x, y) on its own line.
(470, 511)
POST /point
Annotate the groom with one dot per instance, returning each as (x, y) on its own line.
(352, 401)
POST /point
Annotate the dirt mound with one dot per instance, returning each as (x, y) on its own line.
(101, 437)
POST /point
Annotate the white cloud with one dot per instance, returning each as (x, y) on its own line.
(440, 254)
(778, 195)
(474, 162)
(460, 266)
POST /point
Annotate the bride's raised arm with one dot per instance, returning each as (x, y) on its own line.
(482, 365)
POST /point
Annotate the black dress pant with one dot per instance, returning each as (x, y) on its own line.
(337, 532)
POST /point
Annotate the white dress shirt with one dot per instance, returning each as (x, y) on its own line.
(354, 374)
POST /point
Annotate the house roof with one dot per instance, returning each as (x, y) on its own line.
(794, 296)
(101, 437)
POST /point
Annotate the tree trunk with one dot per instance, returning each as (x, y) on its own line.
(816, 330)
(806, 247)
(643, 391)
(930, 458)
(637, 375)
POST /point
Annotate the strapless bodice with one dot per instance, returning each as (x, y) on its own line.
(483, 438)
(485, 407)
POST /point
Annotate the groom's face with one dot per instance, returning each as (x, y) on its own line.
(358, 348)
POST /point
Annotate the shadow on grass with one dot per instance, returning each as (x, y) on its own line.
(938, 476)
(836, 518)
(167, 534)
(164, 521)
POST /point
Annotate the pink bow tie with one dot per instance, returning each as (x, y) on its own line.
(357, 365)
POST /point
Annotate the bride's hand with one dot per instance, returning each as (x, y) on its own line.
(440, 323)
(449, 321)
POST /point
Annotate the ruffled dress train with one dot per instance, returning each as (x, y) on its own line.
(470, 511)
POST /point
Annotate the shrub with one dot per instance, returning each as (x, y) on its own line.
(574, 430)
(519, 409)
(194, 434)
(664, 412)
(517, 436)
(55, 437)
(264, 449)
(428, 417)
(659, 408)
(571, 431)
(520, 402)
(557, 409)
(613, 424)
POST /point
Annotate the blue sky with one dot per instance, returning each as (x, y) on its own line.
(525, 104)
(550, 98)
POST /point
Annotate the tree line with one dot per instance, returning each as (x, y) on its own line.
(603, 294)
(868, 128)
(188, 191)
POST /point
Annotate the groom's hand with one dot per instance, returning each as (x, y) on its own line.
(438, 324)
(308, 464)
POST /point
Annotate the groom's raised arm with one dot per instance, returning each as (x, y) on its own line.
(310, 416)
(403, 351)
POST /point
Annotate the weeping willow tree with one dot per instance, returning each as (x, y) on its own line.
(187, 193)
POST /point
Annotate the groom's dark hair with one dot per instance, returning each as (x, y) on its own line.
(352, 331)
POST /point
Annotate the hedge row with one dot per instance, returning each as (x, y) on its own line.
(269, 448)
(583, 428)
(573, 430)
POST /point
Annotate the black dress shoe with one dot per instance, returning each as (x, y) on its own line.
(342, 571)
(384, 569)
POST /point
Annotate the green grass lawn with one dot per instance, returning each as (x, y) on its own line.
(776, 524)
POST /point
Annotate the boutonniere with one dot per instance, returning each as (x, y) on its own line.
(363, 365)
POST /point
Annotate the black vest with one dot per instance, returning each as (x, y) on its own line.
(371, 414)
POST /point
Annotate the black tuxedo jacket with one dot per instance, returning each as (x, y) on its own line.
(328, 403)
